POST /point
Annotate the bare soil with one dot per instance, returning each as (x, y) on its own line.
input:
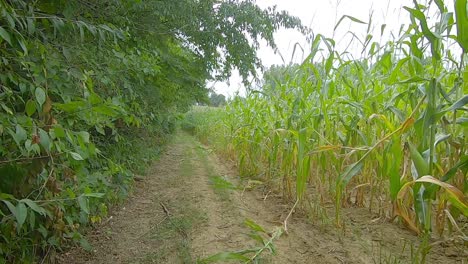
(193, 205)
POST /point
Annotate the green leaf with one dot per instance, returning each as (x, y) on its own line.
(59, 131)
(224, 256)
(441, 138)
(84, 135)
(461, 14)
(43, 231)
(382, 29)
(66, 54)
(30, 107)
(4, 196)
(85, 244)
(463, 121)
(461, 165)
(422, 166)
(349, 17)
(76, 156)
(21, 214)
(456, 106)
(44, 140)
(11, 207)
(31, 26)
(40, 96)
(393, 169)
(459, 104)
(6, 108)
(96, 195)
(350, 172)
(5, 35)
(100, 130)
(257, 237)
(83, 203)
(432, 37)
(23, 46)
(20, 134)
(456, 197)
(33, 205)
(254, 226)
(32, 221)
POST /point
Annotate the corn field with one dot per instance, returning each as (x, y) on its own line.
(386, 131)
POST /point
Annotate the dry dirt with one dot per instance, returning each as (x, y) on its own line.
(188, 208)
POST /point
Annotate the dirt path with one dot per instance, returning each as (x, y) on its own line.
(189, 207)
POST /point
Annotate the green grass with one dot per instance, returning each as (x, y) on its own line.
(174, 232)
(177, 230)
(220, 184)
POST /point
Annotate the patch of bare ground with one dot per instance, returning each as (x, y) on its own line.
(192, 205)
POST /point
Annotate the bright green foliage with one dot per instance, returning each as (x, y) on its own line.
(364, 131)
(87, 86)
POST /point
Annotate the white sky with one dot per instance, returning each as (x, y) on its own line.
(321, 16)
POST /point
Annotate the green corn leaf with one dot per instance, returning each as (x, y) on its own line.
(350, 18)
(395, 154)
(463, 121)
(224, 256)
(382, 29)
(254, 226)
(350, 172)
(461, 13)
(459, 104)
(441, 138)
(461, 165)
(441, 6)
(422, 166)
(456, 197)
(329, 63)
(257, 237)
(302, 170)
(421, 206)
(432, 37)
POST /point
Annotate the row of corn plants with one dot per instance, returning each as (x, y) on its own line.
(386, 131)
